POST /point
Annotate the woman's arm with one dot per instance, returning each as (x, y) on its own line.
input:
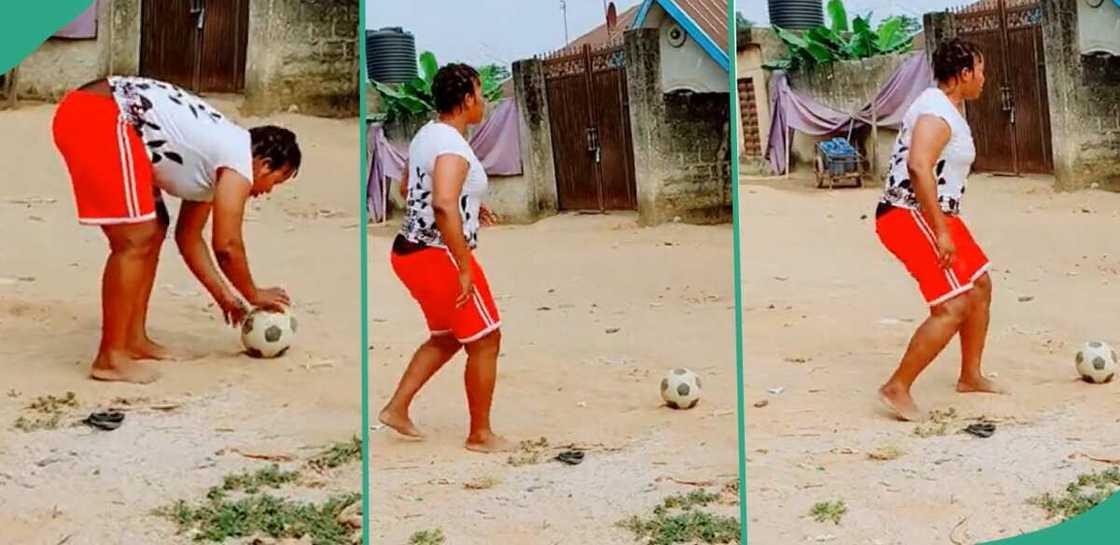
(447, 185)
(231, 192)
(188, 236)
(931, 134)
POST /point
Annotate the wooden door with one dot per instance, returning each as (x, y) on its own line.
(1011, 121)
(195, 44)
(169, 41)
(589, 114)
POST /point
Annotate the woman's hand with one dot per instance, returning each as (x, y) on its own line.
(946, 250)
(274, 299)
(486, 217)
(466, 285)
(234, 310)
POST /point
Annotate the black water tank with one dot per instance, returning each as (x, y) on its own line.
(796, 14)
(390, 55)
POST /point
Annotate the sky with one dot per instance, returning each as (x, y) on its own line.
(481, 32)
(756, 10)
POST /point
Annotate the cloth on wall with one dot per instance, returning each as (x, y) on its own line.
(497, 143)
(83, 27)
(790, 110)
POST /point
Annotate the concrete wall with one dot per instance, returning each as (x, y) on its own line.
(303, 53)
(681, 142)
(60, 65)
(1084, 94)
(687, 67)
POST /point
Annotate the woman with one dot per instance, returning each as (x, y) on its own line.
(126, 139)
(432, 255)
(918, 220)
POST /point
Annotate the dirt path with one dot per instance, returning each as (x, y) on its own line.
(828, 312)
(99, 488)
(563, 286)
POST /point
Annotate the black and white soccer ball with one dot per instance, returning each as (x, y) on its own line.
(267, 334)
(680, 388)
(1096, 362)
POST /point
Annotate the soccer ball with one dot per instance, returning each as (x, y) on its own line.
(680, 388)
(1096, 362)
(267, 334)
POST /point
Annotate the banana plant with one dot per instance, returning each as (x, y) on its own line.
(413, 98)
(821, 44)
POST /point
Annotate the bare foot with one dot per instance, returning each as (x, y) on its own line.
(147, 349)
(899, 402)
(402, 424)
(122, 369)
(979, 385)
(488, 443)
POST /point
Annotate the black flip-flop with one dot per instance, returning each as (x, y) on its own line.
(982, 430)
(570, 457)
(105, 420)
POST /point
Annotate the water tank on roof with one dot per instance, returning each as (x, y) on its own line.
(796, 14)
(390, 55)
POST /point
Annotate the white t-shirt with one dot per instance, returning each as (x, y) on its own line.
(431, 141)
(953, 166)
(188, 141)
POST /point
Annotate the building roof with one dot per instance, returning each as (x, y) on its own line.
(704, 20)
(599, 36)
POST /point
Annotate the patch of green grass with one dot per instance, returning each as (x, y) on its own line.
(51, 407)
(1081, 495)
(680, 519)
(529, 452)
(938, 423)
(220, 519)
(829, 511)
(428, 537)
(24, 423)
(338, 454)
(251, 483)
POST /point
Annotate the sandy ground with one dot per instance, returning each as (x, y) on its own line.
(561, 284)
(819, 287)
(99, 487)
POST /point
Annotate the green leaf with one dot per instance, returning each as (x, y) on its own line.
(863, 40)
(839, 16)
(827, 38)
(387, 90)
(780, 64)
(428, 67)
(890, 35)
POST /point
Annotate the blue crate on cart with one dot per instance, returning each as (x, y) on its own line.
(840, 157)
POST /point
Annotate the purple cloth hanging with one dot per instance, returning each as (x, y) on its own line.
(497, 143)
(83, 27)
(803, 114)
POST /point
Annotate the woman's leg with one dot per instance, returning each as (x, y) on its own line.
(974, 333)
(425, 363)
(129, 247)
(928, 341)
(480, 376)
(140, 345)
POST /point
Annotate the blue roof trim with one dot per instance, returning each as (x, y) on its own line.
(690, 26)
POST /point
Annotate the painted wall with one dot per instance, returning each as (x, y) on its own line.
(687, 67)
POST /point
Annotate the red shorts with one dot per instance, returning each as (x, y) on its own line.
(909, 237)
(432, 277)
(108, 163)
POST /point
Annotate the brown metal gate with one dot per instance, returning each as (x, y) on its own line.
(1011, 120)
(196, 44)
(590, 117)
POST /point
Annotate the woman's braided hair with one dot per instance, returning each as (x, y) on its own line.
(452, 85)
(277, 146)
(953, 57)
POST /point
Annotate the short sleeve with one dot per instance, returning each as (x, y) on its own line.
(238, 153)
(448, 141)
